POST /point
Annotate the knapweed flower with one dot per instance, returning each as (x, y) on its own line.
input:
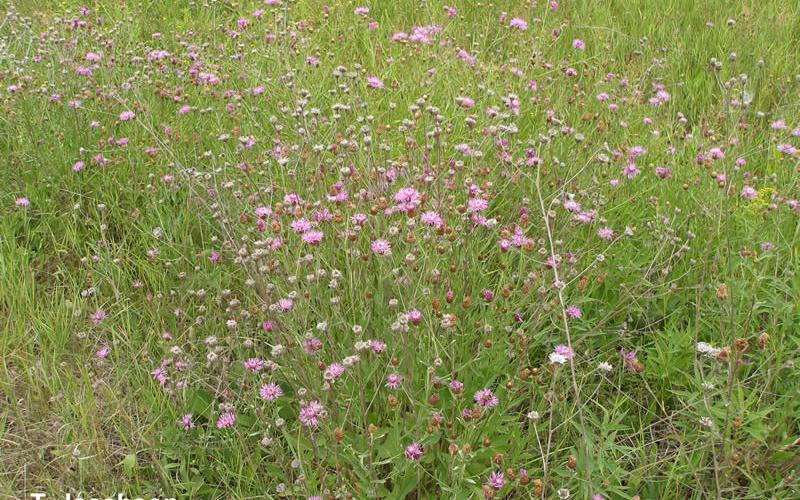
(496, 480)
(748, 193)
(393, 381)
(22, 202)
(185, 422)
(312, 237)
(98, 317)
(255, 365)
(408, 199)
(311, 413)
(333, 371)
(578, 44)
(127, 116)
(381, 247)
(414, 451)
(226, 420)
(707, 349)
(518, 23)
(561, 354)
(605, 233)
(573, 312)
(431, 219)
(285, 305)
(103, 352)
(270, 392)
(485, 398)
(374, 82)
(631, 361)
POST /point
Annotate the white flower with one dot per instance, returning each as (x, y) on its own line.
(707, 349)
(605, 367)
(557, 359)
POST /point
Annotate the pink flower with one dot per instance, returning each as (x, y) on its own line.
(361, 11)
(103, 352)
(578, 44)
(465, 102)
(748, 193)
(496, 480)
(414, 451)
(98, 317)
(381, 247)
(519, 24)
(485, 398)
(374, 82)
(311, 413)
(300, 225)
(561, 353)
(160, 375)
(605, 233)
(185, 422)
(127, 115)
(573, 312)
(312, 237)
(333, 371)
(255, 365)
(431, 219)
(393, 381)
(226, 420)
(407, 199)
(269, 392)
(22, 202)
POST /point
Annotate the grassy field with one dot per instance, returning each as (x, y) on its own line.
(400, 249)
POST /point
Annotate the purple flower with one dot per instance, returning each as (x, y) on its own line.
(414, 451)
(496, 480)
(311, 413)
(269, 392)
(561, 353)
(255, 365)
(98, 317)
(519, 24)
(333, 371)
(748, 193)
(185, 422)
(226, 420)
(393, 381)
(486, 398)
(381, 247)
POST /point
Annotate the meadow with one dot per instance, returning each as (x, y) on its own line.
(400, 249)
